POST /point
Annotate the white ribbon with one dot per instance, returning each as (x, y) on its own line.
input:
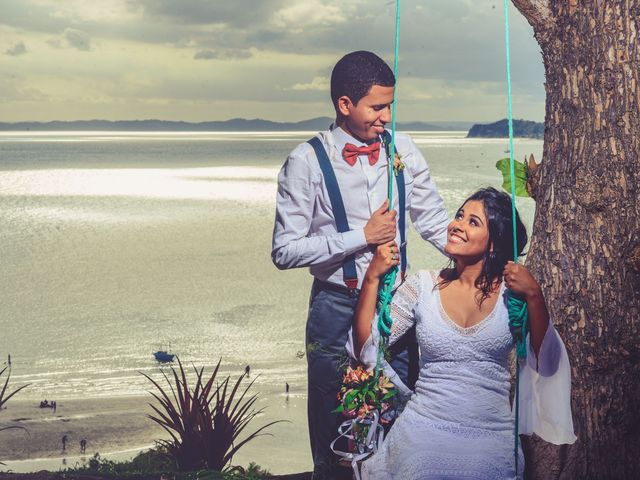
(375, 436)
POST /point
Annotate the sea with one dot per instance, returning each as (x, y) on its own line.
(114, 245)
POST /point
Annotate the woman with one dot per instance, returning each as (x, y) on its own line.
(459, 423)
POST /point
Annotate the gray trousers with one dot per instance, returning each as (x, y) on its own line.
(330, 316)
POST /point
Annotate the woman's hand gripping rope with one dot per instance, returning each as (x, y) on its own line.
(523, 289)
(385, 264)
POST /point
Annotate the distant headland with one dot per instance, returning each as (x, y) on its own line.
(500, 129)
(233, 125)
(522, 128)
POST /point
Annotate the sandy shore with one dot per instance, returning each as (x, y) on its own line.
(118, 429)
(44, 475)
(109, 426)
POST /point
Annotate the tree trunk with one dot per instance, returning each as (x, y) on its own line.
(585, 247)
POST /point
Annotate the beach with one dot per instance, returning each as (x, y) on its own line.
(116, 425)
(118, 428)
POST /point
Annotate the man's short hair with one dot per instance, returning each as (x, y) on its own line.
(355, 74)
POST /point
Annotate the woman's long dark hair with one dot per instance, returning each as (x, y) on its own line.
(497, 208)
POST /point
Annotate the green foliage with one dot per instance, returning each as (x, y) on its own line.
(155, 464)
(204, 422)
(521, 171)
(150, 461)
(252, 472)
(387, 354)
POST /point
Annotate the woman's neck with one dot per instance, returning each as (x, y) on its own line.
(468, 272)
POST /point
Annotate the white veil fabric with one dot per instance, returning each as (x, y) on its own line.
(545, 391)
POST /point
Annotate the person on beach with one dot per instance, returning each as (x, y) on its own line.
(64, 442)
(83, 446)
(331, 211)
(459, 423)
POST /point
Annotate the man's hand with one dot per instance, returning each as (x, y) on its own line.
(381, 227)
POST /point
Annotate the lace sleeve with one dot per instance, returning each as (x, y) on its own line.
(402, 311)
(403, 307)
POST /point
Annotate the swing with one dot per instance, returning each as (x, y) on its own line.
(517, 308)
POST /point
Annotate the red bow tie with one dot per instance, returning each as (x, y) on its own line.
(351, 153)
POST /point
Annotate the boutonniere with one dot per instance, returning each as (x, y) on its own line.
(398, 166)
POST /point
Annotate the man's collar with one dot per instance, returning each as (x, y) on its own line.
(341, 137)
(337, 138)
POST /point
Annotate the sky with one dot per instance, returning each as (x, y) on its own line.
(200, 60)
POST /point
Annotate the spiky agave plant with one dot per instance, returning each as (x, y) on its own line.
(204, 422)
(4, 398)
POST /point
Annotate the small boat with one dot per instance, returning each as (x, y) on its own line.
(163, 356)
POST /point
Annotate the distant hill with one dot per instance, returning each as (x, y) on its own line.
(233, 125)
(500, 129)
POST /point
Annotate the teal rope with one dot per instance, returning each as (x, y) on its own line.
(510, 120)
(389, 279)
(518, 322)
(516, 306)
(394, 104)
(384, 301)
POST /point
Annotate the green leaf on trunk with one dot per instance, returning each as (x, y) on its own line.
(520, 170)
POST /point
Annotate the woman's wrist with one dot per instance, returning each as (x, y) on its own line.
(370, 279)
(534, 295)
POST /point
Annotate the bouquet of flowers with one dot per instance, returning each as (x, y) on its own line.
(366, 398)
(363, 392)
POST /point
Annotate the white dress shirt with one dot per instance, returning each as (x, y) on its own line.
(305, 233)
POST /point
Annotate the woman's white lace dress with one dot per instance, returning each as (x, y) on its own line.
(458, 424)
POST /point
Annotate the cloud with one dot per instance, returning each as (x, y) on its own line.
(299, 16)
(18, 49)
(22, 15)
(167, 56)
(15, 88)
(206, 55)
(77, 39)
(441, 39)
(201, 12)
(222, 54)
(71, 38)
(318, 83)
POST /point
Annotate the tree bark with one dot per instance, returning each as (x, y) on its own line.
(585, 248)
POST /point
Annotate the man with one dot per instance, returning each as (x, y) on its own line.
(331, 210)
